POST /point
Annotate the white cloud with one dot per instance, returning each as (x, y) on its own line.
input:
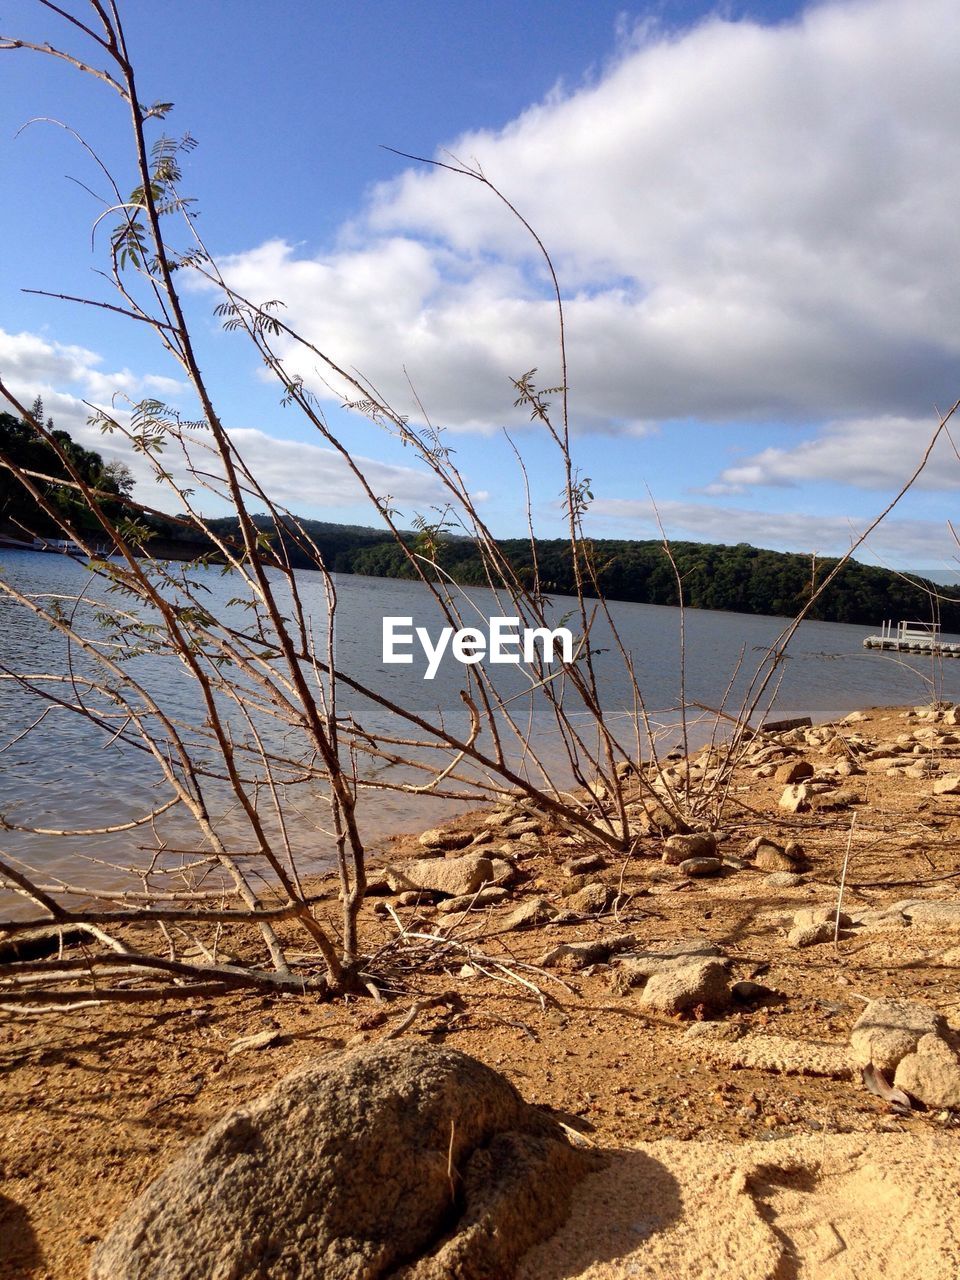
(872, 453)
(303, 476)
(751, 222)
(901, 541)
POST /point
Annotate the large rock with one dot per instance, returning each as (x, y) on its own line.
(794, 771)
(452, 876)
(932, 914)
(402, 1159)
(932, 1074)
(888, 1030)
(795, 798)
(679, 988)
(437, 839)
(702, 844)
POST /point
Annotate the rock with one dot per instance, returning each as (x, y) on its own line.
(947, 786)
(783, 880)
(262, 1040)
(450, 876)
(795, 798)
(658, 820)
(846, 769)
(486, 897)
(436, 839)
(794, 771)
(345, 1170)
(584, 864)
(842, 798)
(696, 867)
(527, 827)
(726, 1032)
(701, 844)
(505, 871)
(577, 955)
(922, 769)
(880, 920)
(678, 988)
(591, 900)
(770, 857)
(810, 935)
(807, 916)
(416, 898)
(931, 1074)
(854, 717)
(533, 911)
(767, 855)
(939, 915)
(635, 969)
(747, 991)
(888, 1030)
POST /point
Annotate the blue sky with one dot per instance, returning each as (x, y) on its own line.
(751, 207)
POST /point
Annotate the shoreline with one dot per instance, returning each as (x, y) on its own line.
(98, 1100)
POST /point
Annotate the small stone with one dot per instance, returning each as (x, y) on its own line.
(726, 1032)
(768, 856)
(794, 771)
(504, 871)
(584, 864)
(820, 915)
(701, 844)
(947, 786)
(486, 897)
(697, 867)
(526, 828)
(795, 798)
(416, 898)
(783, 880)
(810, 935)
(591, 900)
(842, 798)
(262, 1040)
(678, 988)
(889, 1029)
(931, 1074)
(436, 839)
(532, 912)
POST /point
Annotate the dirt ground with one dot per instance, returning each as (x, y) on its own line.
(96, 1101)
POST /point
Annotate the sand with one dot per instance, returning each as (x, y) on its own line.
(813, 1208)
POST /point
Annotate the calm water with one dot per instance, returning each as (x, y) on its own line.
(65, 773)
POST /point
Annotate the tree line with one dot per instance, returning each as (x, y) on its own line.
(739, 579)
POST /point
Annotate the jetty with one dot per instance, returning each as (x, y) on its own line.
(913, 637)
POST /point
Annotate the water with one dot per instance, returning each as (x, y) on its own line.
(65, 773)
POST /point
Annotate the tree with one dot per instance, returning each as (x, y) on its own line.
(270, 696)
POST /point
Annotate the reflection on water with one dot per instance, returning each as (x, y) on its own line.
(66, 773)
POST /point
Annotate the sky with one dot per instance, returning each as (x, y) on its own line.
(751, 209)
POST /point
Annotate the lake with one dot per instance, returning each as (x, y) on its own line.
(67, 774)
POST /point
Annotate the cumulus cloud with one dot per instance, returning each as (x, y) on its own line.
(898, 540)
(303, 476)
(871, 453)
(751, 222)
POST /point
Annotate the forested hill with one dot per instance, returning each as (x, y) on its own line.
(740, 578)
